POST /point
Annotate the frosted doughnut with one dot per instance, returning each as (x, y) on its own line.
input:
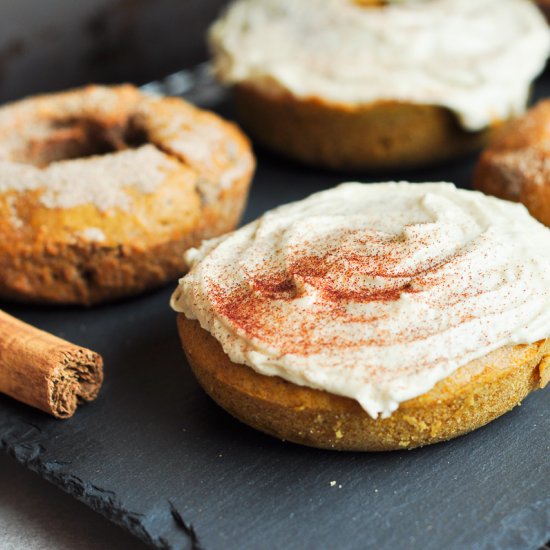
(372, 317)
(362, 84)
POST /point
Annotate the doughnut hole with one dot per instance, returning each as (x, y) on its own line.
(80, 137)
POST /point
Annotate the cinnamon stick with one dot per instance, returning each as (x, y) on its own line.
(45, 371)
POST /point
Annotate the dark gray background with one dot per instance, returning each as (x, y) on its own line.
(52, 44)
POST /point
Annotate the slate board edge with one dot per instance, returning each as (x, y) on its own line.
(27, 451)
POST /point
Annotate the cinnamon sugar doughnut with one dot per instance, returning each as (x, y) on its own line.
(371, 84)
(372, 317)
(103, 189)
(516, 165)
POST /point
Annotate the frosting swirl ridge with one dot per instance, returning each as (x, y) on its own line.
(375, 292)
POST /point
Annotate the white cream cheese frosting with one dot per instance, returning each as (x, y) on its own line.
(474, 57)
(373, 291)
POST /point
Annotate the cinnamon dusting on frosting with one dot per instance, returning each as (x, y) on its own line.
(376, 291)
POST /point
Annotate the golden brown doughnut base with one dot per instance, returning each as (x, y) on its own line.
(89, 273)
(473, 396)
(374, 137)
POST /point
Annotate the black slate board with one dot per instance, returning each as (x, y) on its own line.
(155, 455)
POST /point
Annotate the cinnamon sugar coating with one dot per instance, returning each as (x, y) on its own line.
(516, 165)
(102, 189)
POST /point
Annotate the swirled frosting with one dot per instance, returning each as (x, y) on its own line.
(477, 58)
(375, 292)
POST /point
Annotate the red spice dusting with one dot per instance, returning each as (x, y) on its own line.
(290, 308)
(278, 286)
